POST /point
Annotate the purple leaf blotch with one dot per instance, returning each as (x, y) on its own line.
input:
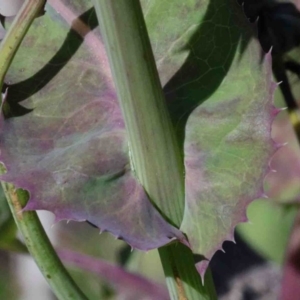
(70, 151)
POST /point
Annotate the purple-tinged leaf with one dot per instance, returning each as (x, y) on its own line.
(70, 152)
(283, 185)
(128, 285)
(222, 104)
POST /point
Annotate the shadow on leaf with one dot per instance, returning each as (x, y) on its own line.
(211, 52)
(25, 89)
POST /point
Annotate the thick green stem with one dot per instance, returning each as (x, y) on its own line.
(155, 153)
(183, 280)
(40, 247)
(28, 223)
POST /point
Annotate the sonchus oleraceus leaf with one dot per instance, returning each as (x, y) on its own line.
(71, 150)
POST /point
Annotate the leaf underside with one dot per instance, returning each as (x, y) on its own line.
(69, 148)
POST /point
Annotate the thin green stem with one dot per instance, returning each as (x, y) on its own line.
(12, 40)
(155, 154)
(40, 247)
(28, 222)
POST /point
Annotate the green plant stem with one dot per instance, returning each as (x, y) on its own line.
(40, 247)
(183, 280)
(28, 222)
(12, 40)
(155, 153)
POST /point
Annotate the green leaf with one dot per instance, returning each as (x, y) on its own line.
(269, 228)
(227, 138)
(71, 150)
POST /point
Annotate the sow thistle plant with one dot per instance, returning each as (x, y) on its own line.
(155, 127)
